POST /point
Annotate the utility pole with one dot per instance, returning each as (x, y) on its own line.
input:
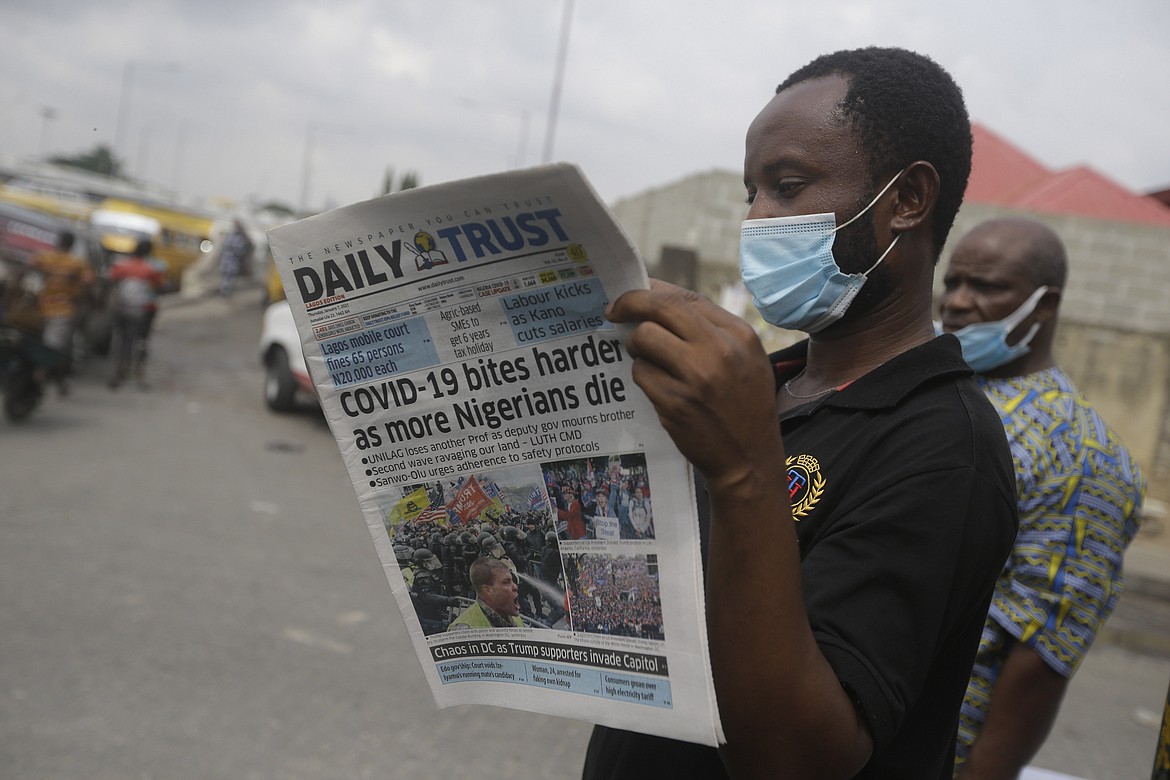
(554, 105)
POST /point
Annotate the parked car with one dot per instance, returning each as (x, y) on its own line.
(286, 379)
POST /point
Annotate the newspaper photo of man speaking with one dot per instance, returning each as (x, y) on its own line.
(471, 552)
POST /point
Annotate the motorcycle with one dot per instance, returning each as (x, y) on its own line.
(24, 362)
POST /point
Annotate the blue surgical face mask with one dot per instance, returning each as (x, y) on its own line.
(985, 343)
(787, 265)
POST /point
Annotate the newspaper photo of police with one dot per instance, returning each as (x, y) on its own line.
(535, 523)
(479, 552)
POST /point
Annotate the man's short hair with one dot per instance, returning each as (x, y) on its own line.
(1047, 261)
(65, 240)
(904, 107)
(1036, 248)
(143, 248)
(483, 571)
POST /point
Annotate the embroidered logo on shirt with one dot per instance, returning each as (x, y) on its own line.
(805, 484)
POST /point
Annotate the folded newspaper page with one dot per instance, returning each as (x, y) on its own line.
(535, 522)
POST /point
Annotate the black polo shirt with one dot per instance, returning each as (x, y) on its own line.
(903, 496)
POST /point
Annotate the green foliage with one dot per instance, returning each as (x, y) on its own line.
(277, 207)
(408, 182)
(100, 159)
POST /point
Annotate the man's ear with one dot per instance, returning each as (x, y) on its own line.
(1048, 304)
(916, 193)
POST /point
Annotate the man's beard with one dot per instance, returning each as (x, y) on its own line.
(855, 249)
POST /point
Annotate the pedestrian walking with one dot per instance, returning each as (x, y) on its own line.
(137, 281)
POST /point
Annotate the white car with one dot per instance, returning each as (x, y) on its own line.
(285, 376)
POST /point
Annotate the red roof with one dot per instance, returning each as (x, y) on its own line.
(1003, 175)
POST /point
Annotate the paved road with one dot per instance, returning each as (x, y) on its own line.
(188, 590)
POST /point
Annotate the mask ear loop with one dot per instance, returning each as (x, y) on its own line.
(870, 206)
(867, 208)
(883, 257)
(1027, 339)
(1013, 320)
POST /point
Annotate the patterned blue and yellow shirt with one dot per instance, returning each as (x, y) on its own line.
(1080, 495)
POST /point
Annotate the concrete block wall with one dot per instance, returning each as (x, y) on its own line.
(1126, 376)
(701, 212)
(1119, 273)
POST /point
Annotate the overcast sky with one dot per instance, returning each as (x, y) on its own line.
(224, 98)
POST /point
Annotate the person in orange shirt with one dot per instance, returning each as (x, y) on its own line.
(65, 279)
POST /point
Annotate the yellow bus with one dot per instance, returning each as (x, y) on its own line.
(180, 238)
(50, 200)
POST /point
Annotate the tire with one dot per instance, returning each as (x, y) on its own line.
(21, 396)
(280, 389)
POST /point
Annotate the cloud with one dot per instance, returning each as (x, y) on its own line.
(652, 90)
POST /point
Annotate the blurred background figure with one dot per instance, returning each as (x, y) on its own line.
(235, 259)
(65, 278)
(137, 281)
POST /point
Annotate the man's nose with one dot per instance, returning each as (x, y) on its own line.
(956, 299)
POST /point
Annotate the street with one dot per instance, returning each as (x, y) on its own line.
(188, 590)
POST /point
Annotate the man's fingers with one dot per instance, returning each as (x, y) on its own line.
(683, 312)
(659, 385)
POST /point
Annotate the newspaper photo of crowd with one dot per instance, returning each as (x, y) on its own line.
(614, 595)
(605, 497)
(475, 554)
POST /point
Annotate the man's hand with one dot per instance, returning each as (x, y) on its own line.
(707, 375)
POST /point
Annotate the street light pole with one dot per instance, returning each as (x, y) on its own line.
(307, 166)
(177, 167)
(124, 99)
(48, 114)
(143, 147)
(123, 108)
(558, 78)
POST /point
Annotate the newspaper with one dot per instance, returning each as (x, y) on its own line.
(485, 410)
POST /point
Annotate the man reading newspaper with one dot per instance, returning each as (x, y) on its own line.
(853, 546)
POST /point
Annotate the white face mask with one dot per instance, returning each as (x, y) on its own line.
(985, 343)
(787, 265)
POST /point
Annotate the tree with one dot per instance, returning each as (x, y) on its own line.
(408, 182)
(100, 159)
(277, 207)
